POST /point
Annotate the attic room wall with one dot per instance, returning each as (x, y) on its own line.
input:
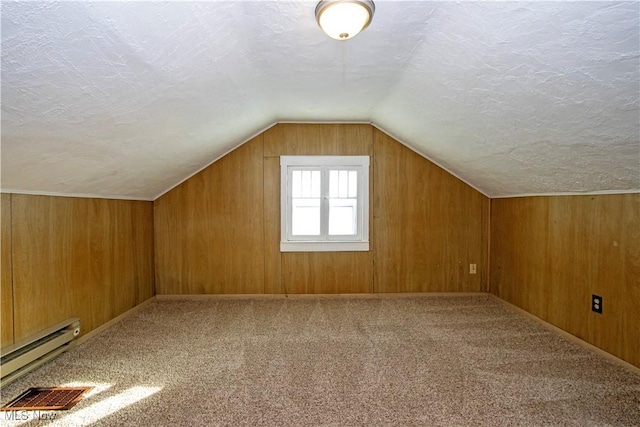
(429, 226)
(550, 254)
(6, 291)
(76, 257)
(312, 272)
(219, 231)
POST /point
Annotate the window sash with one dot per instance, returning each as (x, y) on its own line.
(325, 241)
(325, 203)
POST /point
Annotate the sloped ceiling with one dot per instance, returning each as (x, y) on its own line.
(126, 99)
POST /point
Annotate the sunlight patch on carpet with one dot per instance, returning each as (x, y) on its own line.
(105, 407)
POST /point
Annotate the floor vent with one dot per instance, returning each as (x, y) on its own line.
(47, 399)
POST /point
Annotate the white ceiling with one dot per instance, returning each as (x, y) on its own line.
(126, 99)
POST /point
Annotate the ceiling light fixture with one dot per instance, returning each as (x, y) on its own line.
(344, 19)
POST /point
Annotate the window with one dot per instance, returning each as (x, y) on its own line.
(324, 203)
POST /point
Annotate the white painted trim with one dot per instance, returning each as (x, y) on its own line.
(141, 199)
(284, 198)
(324, 242)
(79, 195)
(573, 193)
(324, 246)
(235, 147)
(478, 189)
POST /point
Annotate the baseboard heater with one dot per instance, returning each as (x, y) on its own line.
(20, 358)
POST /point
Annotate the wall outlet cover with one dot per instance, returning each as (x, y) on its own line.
(596, 303)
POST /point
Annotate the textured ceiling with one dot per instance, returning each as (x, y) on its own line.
(126, 99)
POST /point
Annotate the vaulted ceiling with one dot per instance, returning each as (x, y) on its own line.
(126, 99)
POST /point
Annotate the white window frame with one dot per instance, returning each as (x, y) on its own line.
(324, 242)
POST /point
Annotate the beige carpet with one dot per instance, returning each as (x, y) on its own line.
(428, 361)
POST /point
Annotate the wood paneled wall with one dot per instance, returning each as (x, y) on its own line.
(313, 272)
(429, 226)
(209, 230)
(77, 257)
(219, 231)
(6, 290)
(550, 254)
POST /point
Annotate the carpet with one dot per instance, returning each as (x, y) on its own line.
(426, 360)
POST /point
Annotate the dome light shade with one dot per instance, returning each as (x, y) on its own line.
(344, 19)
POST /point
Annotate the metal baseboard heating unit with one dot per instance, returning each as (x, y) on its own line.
(20, 358)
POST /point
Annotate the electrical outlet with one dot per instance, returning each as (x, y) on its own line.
(596, 303)
(472, 268)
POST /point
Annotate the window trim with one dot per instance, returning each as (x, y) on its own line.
(361, 242)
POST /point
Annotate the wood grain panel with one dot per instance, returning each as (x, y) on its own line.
(292, 139)
(101, 245)
(428, 224)
(51, 262)
(327, 272)
(485, 243)
(550, 254)
(121, 256)
(6, 291)
(167, 241)
(143, 251)
(272, 256)
(77, 258)
(433, 224)
(521, 226)
(333, 272)
(209, 230)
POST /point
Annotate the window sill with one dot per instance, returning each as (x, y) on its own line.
(324, 246)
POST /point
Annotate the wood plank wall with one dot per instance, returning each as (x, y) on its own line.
(550, 254)
(210, 228)
(76, 257)
(314, 272)
(219, 231)
(429, 226)
(6, 291)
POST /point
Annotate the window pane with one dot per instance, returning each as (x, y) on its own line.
(333, 184)
(353, 184)
(324, 199)
(306, 183)
(296, 184)
(315, 184)
(305, 217)
(343, 183)
(343, 217)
